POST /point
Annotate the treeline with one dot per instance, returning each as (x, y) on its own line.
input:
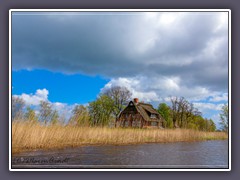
(101, 112)
(183, 114)
(46, 115)
(105, 109)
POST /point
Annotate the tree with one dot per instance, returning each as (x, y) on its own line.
(120, 97)
(183, 106)
(63, 117)
(80, 116)
(224, 118)
(175, 109)
(183, 112)
(17, 108)
(178, 110)
(212, 126)
(45, 112)
(165, 111)
(100, 110)
(54, 117)
(30, 115)
(200, 123)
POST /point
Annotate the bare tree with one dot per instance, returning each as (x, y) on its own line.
(183, 112)
(54, 117)
(183, 106)
(45, 112)
(30, 115)
(189, 113)
(175, 109)
(120, 96)
(80, 116)
(17, 108)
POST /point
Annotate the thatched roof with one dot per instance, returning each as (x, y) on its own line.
(144, 110)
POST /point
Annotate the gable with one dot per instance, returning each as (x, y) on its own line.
(145, 110)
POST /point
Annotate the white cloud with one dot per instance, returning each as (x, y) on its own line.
(64, 109)
(158, 88)
(192, 46)
(219, 97)
(216, 119)
(208, 106)
(42, 93)
(59, 105)
(223, 20)
(135, 86)
(34, 99)
(210, 111)
(154, 55)
(168, 19)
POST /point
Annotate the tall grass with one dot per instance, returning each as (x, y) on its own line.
(30, 136)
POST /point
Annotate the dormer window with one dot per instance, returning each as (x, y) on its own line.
(153, 116)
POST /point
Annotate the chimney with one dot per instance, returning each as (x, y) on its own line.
(135, 100)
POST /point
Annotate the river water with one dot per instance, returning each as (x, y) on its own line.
(204, 154)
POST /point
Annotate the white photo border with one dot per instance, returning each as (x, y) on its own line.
(120, 10)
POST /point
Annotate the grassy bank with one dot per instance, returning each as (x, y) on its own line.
(34, 136)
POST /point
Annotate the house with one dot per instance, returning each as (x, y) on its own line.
(139, 114)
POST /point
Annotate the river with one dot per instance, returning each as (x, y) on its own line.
(204, 154)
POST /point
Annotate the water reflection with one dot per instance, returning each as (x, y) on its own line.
(207, 154)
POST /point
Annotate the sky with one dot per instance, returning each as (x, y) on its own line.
(68, 58)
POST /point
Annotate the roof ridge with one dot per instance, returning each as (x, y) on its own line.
(144, 103)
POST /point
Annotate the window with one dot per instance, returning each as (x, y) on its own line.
(153, 116)
(153, 123)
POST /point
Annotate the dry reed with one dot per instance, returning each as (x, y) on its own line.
(26, 136)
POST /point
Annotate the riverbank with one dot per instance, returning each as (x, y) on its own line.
(28, 137)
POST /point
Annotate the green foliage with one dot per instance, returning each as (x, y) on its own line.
(200, 122)
(47, 114)
(80, 116)
(108, 105)
(185, 115)
(30, 115)
(212, 125)
(192, 125)
(224, 118)
(204, 124)
(100, 111)
(165, 111)
(183, 112)
(120, 96)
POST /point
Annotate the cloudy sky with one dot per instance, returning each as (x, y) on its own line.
(70, 57)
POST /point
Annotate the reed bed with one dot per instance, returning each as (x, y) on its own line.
(27, 136)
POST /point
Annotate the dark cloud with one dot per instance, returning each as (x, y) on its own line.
(190, 46)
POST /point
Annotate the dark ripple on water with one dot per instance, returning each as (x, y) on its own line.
(205, 154)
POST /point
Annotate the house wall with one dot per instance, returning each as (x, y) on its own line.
(127, 119)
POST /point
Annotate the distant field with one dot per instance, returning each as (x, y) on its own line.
(26, 136)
